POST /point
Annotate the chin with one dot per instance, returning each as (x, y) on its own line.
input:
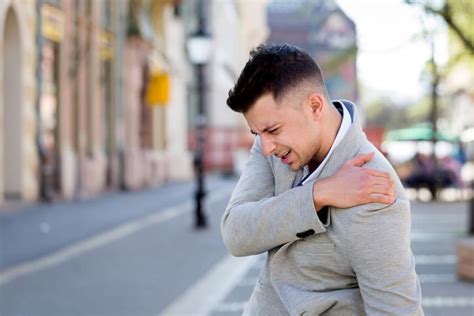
(294, 166)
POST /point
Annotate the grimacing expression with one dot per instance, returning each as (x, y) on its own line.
(287, 131)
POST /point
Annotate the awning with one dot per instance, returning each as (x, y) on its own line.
(419, 132)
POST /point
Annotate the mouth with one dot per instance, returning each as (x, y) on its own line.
(285, 155)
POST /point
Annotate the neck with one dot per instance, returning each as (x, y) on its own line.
(330, 125)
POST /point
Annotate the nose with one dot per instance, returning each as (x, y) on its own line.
(267, 145)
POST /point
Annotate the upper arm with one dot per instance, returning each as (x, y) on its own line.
(380, 254)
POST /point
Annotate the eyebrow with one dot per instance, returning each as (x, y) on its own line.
(266, 129)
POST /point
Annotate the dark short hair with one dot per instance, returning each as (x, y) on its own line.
(275, 69)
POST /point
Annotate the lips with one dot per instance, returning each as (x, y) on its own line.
(284, 156)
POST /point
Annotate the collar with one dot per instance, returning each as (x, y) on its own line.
(346, 123)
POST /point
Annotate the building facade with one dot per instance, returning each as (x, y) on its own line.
(88, 121)
(18, 151)
(155, 80)
(323, 30)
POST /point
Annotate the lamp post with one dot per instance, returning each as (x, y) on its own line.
(199, 49)
(434, 119)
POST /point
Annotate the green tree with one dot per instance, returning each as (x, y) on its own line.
(385, 112)
(457, 14)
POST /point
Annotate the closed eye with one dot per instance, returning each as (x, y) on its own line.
(274, 131)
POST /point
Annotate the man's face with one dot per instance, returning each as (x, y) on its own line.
(288, 131)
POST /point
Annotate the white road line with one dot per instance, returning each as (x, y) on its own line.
(439, 301)
(205, 295)
(424, 278)
(437, 278)
(249, 281)
(89, 244)
(422, 236)
(447, 301)
(435, 259)
(231, 307)
(102, 239)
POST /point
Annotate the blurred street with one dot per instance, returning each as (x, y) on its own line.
(138, 254)
(112, 111)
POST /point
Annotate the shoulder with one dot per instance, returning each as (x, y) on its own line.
(379, 162)
(378, 214)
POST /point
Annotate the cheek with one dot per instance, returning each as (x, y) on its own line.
(307, 147)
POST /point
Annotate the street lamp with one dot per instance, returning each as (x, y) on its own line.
(199, 51)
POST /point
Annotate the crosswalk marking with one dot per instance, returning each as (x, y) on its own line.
(434, 236)
(435, 259)
(424, 278)
(448, 301)
(437, 278)
(436, 301)
(211, 289)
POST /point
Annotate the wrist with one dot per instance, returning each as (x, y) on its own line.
(319, 195)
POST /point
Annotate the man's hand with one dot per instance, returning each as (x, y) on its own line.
(353, 185)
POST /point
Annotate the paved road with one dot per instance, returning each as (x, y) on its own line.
(44, 228)
(139, 254)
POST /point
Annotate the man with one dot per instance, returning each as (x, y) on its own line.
(325, 255)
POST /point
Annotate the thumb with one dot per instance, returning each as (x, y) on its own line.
(360, 160)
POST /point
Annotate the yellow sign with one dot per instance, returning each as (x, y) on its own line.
(106, 45)
(53, 22)
(158, 92)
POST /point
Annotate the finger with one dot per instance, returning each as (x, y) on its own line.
(388, 182)
(378, 173)
(381, 198)
(382, 189)
(361, 159)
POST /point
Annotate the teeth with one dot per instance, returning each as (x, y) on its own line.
(285, 154)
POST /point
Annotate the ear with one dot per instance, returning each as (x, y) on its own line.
(316, 104)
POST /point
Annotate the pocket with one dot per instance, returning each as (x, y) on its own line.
(316, 262)
(320, 244)
(264, 301)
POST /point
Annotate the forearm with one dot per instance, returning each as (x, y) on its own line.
(254, 227)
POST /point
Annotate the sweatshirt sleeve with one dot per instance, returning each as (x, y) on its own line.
(256, 221)
(379, 251)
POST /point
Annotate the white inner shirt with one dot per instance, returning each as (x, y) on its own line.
(345, 125)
